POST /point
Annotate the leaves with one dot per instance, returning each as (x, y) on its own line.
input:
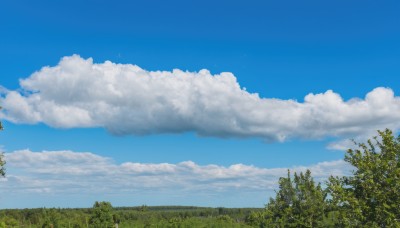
(102, 216)
(370, 197)
(300, 202)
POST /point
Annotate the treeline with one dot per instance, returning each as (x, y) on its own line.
(103, 215)
(370, 197)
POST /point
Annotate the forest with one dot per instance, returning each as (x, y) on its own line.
(104, 215)
(367, 198)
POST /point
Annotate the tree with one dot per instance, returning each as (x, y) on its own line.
(371, 196)
(102, 216)
(300, 202)
(52, 218)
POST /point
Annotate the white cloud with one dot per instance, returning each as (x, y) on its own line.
(66, 172)
(126, 99)
(344, 144)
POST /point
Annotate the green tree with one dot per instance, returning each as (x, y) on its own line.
(300, 202)
(102, 216)
(255, 218)
(52, 218)
(371, 196)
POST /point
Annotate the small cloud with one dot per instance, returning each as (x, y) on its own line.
(341, 145)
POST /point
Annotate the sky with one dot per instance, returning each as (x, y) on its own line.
(203, 103)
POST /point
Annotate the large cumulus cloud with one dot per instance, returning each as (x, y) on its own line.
(126, 99)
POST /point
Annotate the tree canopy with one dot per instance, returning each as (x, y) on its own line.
(370, 197)
(102, 216)
(300, 202)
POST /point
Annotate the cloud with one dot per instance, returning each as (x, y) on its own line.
(68, 172)
(126, 99)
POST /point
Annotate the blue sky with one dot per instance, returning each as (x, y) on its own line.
(281, 50)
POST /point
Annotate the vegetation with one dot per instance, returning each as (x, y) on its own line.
(102, 216)
(371, 197)
(367, 198)
(143, 216)
(299, 203)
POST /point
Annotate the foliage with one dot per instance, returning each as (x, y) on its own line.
(51, 218)
(371, 196)
(102, 216)
(300, 202)
(368, 198)
(127, 217)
